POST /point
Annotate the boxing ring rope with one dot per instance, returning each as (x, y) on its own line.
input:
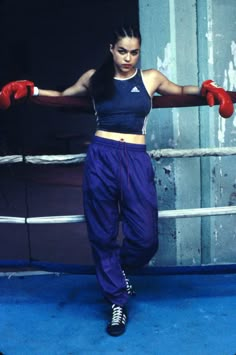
(181, 213)
(155, 154)
(84, 104)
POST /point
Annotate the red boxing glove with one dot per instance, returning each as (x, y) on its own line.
(17, 89)
(212, 91)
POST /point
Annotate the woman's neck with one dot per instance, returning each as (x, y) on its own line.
(122, 75)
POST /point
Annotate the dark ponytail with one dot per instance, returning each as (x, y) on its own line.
(102, 83)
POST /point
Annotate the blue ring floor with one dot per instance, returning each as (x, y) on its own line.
(65, 314)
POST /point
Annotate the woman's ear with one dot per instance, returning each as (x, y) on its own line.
(111, 48)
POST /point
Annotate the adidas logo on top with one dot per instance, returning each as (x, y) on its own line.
(135, 89)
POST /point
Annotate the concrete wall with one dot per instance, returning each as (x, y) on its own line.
(191, 41)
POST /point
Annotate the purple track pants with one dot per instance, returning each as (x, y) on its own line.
(119, 185)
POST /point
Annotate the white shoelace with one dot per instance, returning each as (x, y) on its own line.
(129, 287)
(118, 315)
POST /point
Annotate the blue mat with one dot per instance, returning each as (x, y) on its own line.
(63, 314)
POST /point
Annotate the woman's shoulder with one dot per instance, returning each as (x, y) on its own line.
(89, 73)
(152, 79)
(85, 78)
(153, 75)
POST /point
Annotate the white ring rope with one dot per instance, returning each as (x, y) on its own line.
(9, 159)
(156, 154)
(192, 153)
(181, 213)
(43, 159)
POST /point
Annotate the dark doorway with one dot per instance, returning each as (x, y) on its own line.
(51, 43)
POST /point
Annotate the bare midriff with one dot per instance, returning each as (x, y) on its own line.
(123, 137)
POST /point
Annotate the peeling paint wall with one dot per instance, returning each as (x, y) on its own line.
(190, 41)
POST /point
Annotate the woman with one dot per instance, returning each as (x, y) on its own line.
(118, 178)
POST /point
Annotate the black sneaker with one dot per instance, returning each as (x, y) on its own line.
(129, 287)
(119, 317)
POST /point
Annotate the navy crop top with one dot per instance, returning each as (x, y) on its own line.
(127, 110)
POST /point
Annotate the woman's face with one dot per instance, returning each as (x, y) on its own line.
(125, 55)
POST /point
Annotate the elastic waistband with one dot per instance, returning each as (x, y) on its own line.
(118, 144)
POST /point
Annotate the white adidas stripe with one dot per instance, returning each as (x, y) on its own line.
(135, 89)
